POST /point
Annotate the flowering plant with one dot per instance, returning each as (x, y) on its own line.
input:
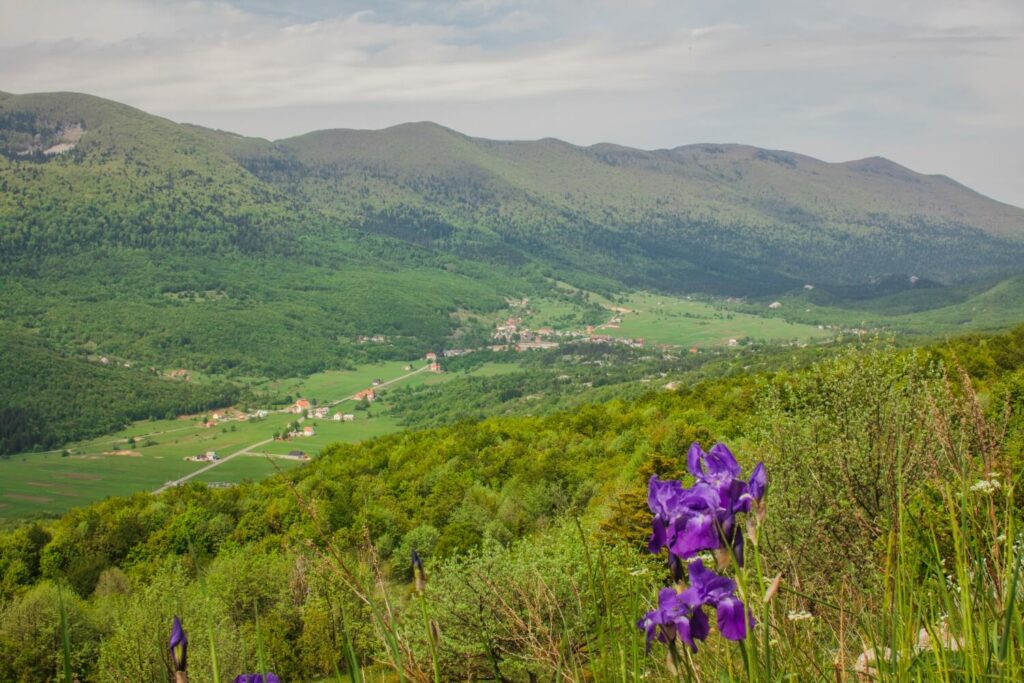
(701, 518)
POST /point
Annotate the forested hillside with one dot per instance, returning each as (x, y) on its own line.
(49, 399)
(490, 507)
(178, 246)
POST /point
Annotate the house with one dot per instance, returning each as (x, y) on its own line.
(300, 406)
(436, 367)
(808, 287)
(368, 394)
(775, 305)
(408, 367)
(694, 349)
(208, 456)
(319, 412)
(261, 413)
(343, 417)
(431, 356)
(733, 342)
(308, 431)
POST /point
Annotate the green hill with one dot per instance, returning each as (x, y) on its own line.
(721, 218)
(175, 246)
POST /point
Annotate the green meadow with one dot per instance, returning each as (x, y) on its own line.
(333, 385)
(148, 453)
(247, 468)
(681, 322)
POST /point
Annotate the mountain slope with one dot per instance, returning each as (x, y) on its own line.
(179, 246)
(729, 212)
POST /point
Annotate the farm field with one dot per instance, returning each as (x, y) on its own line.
(50, 483)
(329, 431)
(668, 320)
(247, 468)
(332, 385)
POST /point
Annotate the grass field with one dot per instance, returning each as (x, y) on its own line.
(247, 468)
(335, 384)
(50, 483)
(668, 320)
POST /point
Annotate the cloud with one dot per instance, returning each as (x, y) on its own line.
(923, 76)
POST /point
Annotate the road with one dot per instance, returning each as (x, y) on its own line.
(182, 480)
(207, 468)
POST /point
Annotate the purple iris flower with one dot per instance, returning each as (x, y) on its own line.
(257, 678)
(675, 618)
(178, 646)
(681, 615)
(702, 517)
(710, 588)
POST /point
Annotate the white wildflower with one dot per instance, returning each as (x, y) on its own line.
(793, 615)
(986, 486)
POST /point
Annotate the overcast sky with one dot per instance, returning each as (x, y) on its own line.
(937, 85)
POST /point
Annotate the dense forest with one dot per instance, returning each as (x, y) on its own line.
(47, 400)
(515, 515)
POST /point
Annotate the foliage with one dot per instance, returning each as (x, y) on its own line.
(47, 400)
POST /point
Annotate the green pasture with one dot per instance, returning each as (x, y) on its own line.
(247, 468)
(333, 385)
(329, 431)
(50, 483)
(668, 320)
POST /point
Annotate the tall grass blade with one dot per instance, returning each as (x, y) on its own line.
(1011, 602)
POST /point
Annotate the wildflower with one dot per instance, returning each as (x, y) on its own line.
(710, 588)
(417, 570)
(178, 646)
(703, 517)
(675, 617)
(986, 486)
(257, 678)
(794, 615)
(690, 522)
(681, 613)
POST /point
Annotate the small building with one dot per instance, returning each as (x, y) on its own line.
(808, 287)
(300, 406)
(436, 367)
(694, 349)
(308, 431)
(208, 456)
(775, 305)
(733, 342)
(431, 356)
(368, 394)
(343, 417)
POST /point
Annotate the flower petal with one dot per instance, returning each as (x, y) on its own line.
(732, 618)
(721, 461)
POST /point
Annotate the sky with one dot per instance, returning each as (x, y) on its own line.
(935, 85)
